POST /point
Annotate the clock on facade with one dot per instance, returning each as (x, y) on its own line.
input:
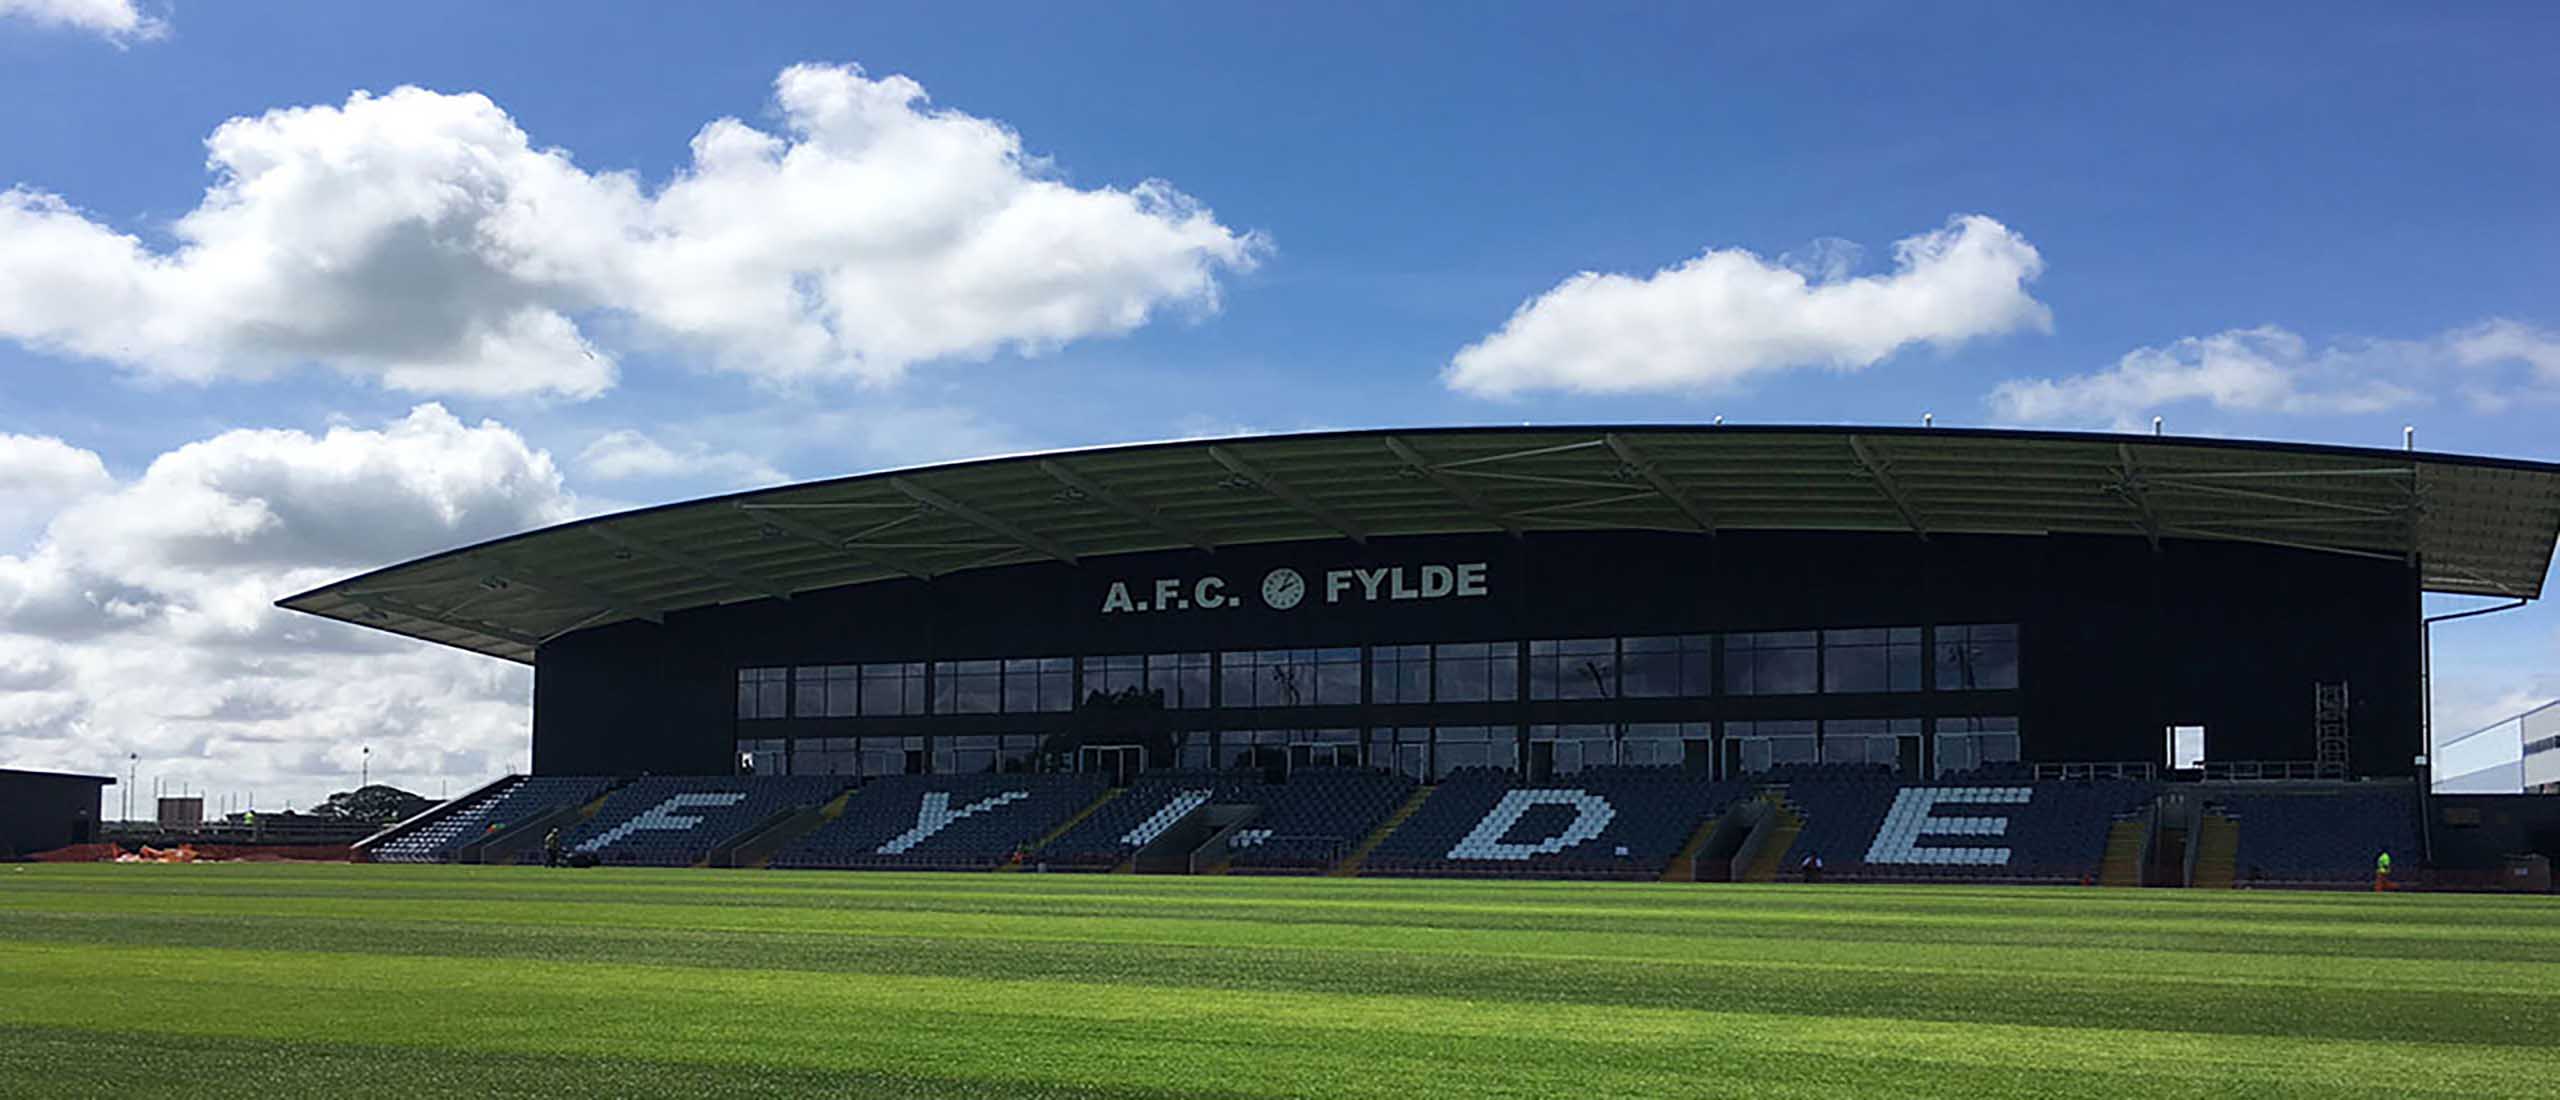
(1283, 588)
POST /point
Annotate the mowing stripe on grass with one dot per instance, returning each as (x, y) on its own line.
(693, 982)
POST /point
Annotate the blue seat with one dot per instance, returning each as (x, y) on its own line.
(942, 822)
(2322, 835)
(519, 799)
(675, 821)
(1609, 822)
(1960, 829)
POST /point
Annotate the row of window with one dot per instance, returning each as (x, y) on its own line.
(1432, 752)
(1862, 661)
(875, 756)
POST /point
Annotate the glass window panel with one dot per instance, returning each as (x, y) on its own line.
(1236, 672)
(1287, 680)
(1290, 678)
(1057, 684)
(1783, 671)
(1462, 678)
(764, 692)
(762, 756)
(1110, 676)
(968, 687)
(1413, 682)
(1182, 679)
(1770, 663)
(1338, 683)
(1021, 685)
(1660, 667)
(1854, 668)
(891, 689)
(1651, 750)
(1878, 659)
(1401, 674)
(1762, 745)
(809, 691)
(1977, 658)
(843, 689)
(1966, 743)
(1573, 668)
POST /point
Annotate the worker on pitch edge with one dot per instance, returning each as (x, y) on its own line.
(2382, 872)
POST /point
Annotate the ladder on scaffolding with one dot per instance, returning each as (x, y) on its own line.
(2329, 729)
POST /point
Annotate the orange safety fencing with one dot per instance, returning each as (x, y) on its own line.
(197, 853)
(78, 853)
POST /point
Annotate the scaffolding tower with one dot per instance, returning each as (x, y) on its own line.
(2329, 729)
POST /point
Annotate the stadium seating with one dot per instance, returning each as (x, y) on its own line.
(1305, 823)
(1310, 822)
(2052, 832)
(942, 822)
(515, 800)
(1616, 822)
(1151, 804)
(2322, 835)
(676, 822)
(1825, 773)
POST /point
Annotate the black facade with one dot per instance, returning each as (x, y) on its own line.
(2114, 642)
(41, 811)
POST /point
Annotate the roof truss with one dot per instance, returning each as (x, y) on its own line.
(1466, 496)
(942, 502)
(502, 573)
(1086, 488)
(1880, 470)
(1643, 467)
(1287, 494)
(787, 523)
(2463, 525)
(624, 540)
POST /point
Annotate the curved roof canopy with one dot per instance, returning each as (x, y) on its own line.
(2471, 525)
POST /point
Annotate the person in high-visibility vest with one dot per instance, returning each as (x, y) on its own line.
(2382, 872)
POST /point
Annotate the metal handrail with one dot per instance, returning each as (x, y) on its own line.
(2126, 769)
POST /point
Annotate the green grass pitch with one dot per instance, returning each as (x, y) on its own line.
(371, 981)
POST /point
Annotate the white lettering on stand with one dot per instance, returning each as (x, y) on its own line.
(1436, 581)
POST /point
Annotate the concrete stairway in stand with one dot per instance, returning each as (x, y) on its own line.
(2217, 852)
(2123, 863)
(1062, 828)
(1773, 857)
(1350, 864)
(757, 846)
(1684, 866)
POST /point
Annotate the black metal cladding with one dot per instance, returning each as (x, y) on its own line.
(41, 811)
(2118, 640)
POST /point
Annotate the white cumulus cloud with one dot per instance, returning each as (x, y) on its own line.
(629, 454)
(119, 20)
(2491, 366)
(38, 475)
(1714, 321)
(142, 621)
(423, 241)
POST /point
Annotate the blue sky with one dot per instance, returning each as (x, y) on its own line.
(2320, 223)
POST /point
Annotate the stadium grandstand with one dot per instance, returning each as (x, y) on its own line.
(1682, 652)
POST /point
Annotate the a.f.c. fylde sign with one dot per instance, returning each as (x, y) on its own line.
(1285, 588)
